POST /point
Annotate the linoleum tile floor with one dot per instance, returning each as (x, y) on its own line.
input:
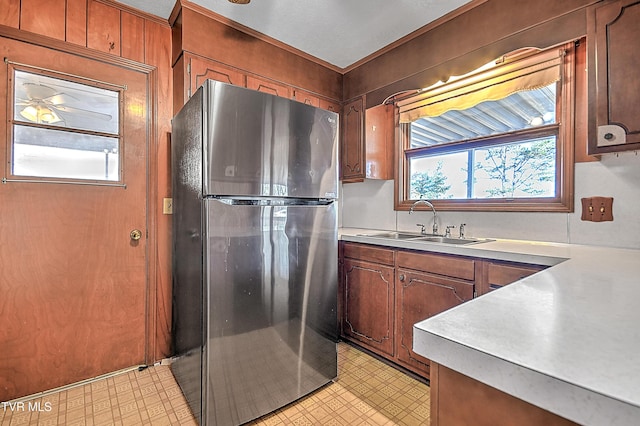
(367, 392)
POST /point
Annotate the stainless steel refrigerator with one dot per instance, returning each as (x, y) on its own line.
(254, 252)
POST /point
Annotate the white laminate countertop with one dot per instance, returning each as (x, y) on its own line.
(566, 339)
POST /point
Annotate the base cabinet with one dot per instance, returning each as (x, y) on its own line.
(420, 296)
(496, 274)
(460, 400)
(385, 291)
(369, 304)
(368, 299)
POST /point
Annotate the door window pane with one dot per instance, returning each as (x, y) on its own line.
(49, 153)
(65, 129)
(55, 102)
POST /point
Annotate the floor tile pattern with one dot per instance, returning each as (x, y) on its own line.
(367, 392)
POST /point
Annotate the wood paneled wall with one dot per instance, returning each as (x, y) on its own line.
(466, 42)
(470, 40)
(201, 32)
(105, 26)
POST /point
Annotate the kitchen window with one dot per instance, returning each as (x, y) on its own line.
(63, 129)
(497, 139)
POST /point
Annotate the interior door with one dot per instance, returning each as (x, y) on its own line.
(73, 283)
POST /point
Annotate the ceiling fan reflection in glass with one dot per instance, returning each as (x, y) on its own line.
(52, 101)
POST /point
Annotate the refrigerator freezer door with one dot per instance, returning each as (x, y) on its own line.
(258, 144)
(271, 286)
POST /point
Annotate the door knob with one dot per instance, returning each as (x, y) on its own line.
(135, 235)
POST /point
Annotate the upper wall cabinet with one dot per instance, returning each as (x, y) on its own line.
(367, 142)
(613, 38)
(306, 97)
(352, 145)
(329, 105)
(266, 86)
(201, 70)
(379, 138)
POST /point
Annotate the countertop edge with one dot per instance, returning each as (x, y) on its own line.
(567, 400)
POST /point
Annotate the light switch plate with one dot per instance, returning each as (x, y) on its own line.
(167, 206)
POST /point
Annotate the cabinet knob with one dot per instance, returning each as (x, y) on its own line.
(401, 277)
(608, 136)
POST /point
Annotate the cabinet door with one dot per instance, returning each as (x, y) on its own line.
(369, 304)
(379, 138)
(614, 59)
(200, 70)
(352, 144)
(329, 105)
(267, 86)
(306, 97)
(420, 296)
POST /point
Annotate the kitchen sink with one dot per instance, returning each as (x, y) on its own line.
(397, 235)
(447, 240)
(414, 236)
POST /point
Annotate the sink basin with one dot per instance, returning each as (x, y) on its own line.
(397, 235)
(414, 236)
(447, 240)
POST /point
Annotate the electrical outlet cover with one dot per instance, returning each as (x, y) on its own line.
(597, 209)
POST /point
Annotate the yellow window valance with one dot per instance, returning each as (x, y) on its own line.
(495, 83)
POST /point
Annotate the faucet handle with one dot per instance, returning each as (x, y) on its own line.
(422, 230)
(447, 232)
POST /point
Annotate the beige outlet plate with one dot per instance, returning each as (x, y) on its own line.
(167, 205)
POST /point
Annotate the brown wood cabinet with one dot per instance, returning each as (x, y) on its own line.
(385, 291)
(379, 139)
(613, 35)
(352, 151)
(305, 97)
(341, 291)
(496, 274)
(420, 296)
(427, 284)
(201, 69)
(367, 142)
(329, 105)
(190, 71)
(368, 282)
(460, 400)
(268, 86)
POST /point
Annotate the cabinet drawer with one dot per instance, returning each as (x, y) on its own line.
(499, 274)
(368, 253)
(451, 266)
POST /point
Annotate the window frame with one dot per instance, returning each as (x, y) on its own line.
(12, 67)
(565, 113)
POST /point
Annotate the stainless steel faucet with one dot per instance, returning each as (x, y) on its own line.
(435, 224)
(447, 233)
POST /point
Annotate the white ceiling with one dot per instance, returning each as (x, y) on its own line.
(340, 32)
